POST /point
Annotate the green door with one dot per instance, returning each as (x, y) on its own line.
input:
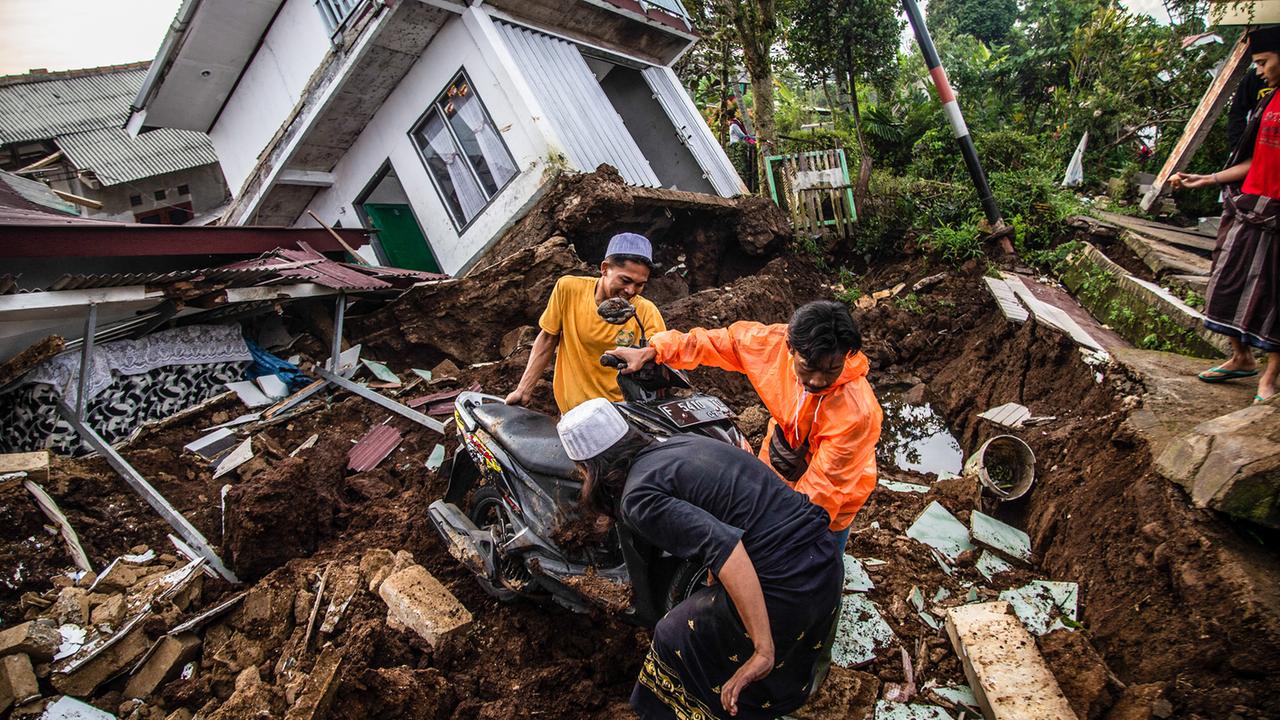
(401, 238)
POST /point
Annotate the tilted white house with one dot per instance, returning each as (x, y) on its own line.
(435, 122)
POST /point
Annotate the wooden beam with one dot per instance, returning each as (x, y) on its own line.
(1009, 677)
(47, 160)
(1202, 120)
(77, 199)
(51, 510)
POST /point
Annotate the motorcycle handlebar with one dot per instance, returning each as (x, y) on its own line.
(612, 361)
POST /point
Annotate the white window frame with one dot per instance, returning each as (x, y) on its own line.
(336, 12)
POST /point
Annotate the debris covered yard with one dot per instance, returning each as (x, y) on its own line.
(349, 605)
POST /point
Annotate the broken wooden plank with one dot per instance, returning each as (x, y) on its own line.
(69, 536)
(1009, 677)
(1162, 232)
(1202, 120)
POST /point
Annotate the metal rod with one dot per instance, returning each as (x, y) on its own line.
(339, 314)
(380, 399)
(180, 524)
(947, 96)
(86, 359)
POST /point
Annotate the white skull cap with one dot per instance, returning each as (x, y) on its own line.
(591, 428)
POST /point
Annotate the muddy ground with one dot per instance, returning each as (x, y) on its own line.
(1157, 640)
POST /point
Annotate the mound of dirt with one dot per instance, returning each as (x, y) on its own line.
(708, 239)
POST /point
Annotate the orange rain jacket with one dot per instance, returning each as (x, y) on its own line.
(842, 423)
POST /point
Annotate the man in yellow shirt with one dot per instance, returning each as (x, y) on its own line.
(572, 330)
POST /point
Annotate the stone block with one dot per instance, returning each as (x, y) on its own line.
(84, 677)
(110, 612)
(251, 699)
(418, 601)
(163, 665)
(321, 685)
(1231, 464)
(71, 606)
(36, 639)
(18, 684)
(34, 464)
(375, 566)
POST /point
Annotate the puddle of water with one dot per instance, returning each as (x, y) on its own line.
(914, 437)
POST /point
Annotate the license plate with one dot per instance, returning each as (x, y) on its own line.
(695, 410)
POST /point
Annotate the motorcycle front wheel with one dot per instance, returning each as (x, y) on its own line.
(689, 577)
(489, 512)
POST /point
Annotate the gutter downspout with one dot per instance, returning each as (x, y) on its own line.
(160, 66)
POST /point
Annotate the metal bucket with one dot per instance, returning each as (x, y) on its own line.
(1004, 465)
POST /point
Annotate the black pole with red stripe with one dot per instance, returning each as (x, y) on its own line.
(951, 107)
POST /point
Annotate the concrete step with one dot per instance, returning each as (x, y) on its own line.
(1144, 313)
(1188, 239)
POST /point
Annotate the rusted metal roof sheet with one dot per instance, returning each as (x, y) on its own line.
(115, 157)
(373, 448)
(235, 277)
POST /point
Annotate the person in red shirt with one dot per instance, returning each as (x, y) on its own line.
(1243, 299)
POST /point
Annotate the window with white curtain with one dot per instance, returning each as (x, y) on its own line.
(463, 151)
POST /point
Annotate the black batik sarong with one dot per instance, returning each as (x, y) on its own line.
(1243, 299)
(701, 643)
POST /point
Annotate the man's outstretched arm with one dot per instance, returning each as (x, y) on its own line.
(544, 349)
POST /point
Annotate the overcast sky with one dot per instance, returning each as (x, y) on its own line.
(66, 34)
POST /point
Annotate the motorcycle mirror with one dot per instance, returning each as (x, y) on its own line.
(616, 311)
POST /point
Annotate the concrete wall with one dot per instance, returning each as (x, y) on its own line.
(271, 86)
(467, 42)
(207, 191)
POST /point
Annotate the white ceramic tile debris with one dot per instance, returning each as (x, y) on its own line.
(860, 633)
(1041, 604)
(913, 711)
(856, 578)
(941, 530)
(1000, 536)
(1010, 415)
(990, 565)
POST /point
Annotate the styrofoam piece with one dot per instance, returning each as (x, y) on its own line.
(886, 710)
(213, 444)
(381, 371)
(896, 486)
(1007, 300)
(941, 530)
(249, 394)
(1011, 415)
(856, 578)
(272, 386)
(241, 455)
(990, 565)
(1000, 536)
(1041, 604)
(436, 459)
(69, 708)
(861, 632)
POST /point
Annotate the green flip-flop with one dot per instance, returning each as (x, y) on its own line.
(1221, 375)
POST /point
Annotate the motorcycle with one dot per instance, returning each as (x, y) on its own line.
(521, 532)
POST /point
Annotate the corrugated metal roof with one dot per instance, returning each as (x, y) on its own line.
(373, 448)
(115, 157)
(236, 277)
(44, 109)
(581, 114)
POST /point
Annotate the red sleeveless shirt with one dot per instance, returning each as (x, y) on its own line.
(1264, 172)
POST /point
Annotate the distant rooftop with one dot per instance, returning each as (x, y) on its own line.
(83, 111)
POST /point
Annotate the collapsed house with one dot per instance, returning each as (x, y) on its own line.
(65, 129)
(436, 123)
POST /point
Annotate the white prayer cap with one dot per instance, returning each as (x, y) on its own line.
(591, 428)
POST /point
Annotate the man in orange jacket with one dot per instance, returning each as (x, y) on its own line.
(812, 376)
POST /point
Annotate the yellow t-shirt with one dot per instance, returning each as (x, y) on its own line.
(571, 314)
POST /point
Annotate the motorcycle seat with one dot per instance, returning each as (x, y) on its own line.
(529, 436)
